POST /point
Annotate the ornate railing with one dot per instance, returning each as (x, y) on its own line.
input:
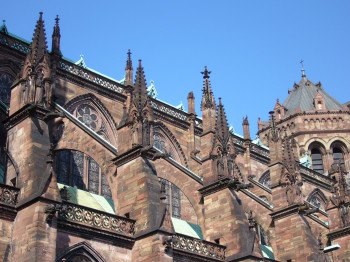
(102, 220)
(8, 194)
(196, 246)
(14, 43)
(169, 110)
(88, 75)
(260, 150)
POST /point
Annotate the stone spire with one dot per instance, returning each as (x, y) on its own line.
(39, 44)
(208, 97)
(221, 127)
(129, 70)
(56, 38)
(140, 88)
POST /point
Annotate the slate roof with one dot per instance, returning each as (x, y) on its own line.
(302, 97)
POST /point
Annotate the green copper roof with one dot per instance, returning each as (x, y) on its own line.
(267, 252)
(87, 199)
(186, 228)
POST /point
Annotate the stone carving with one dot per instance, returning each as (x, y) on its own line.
(341, 192)
(8, 194)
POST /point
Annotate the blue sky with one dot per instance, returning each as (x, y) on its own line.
(253, 48)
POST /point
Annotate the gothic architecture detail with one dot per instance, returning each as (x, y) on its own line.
(93, 169)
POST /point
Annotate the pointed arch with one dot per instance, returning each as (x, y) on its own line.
(160, 128)
(318, 199)
(265, 179)
(92, 112)
(81, 252)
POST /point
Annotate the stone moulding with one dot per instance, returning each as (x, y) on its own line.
(312, 113)
(87, 221)
(338, 233)
(257, 183)
(214, 187)
(27, 111)
(285, 212)
(197, 249)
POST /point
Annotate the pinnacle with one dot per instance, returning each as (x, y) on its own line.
(221, 122)
(129, 61)
(140, 91)
(208, 97)
(39, 44)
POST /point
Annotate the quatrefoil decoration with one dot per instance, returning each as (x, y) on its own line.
(88, 116)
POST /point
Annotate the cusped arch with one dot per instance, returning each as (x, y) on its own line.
(318, 199)
(80, 252)
(161, 128)
(92, 112)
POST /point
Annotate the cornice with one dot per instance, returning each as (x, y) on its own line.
(285, 212)
(338, 233)
(314, 113)
(214, 187)
(28, 110)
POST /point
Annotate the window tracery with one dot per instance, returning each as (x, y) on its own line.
(172, 198)
(265, 179)
(160, 142)
(76, 169)
(317, 199)
(88, 116)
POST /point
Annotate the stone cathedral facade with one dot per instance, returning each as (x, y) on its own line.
(95, 169)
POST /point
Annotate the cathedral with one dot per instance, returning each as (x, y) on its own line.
(96, 169)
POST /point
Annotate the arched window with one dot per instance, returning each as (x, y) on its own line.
(338, 155)
(76, 169)
(317, 163)
(265, 179)
(159, 142)
(5, 91)
(177, 202)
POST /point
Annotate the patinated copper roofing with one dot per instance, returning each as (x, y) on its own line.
(303, 94)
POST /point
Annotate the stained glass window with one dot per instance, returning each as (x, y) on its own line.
(172, 198)
(106, 191)
(176, 201)
(63, 166)
(5, 91)
(93, 176)
(76, 169)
